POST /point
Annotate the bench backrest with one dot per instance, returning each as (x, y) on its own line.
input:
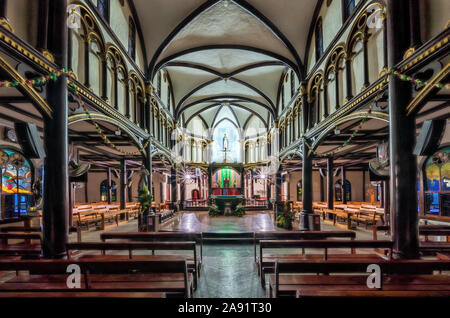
(132, 246)
(300, 235)
(156, 237)
(325, 244)
(8, 229)
(26, 237)
(357, 266)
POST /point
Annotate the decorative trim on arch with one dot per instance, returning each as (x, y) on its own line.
(72, 119)
(25, 89)
(356, 115)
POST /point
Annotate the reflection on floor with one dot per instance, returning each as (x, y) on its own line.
(228, 270)
(201, 222)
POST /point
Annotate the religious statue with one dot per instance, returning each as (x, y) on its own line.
(225, 142)
(225, 147)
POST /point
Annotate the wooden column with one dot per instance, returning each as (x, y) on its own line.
(123, 183)
(330, 197)
(322, 187)
(3, 8)
(402, 135)
(343, 188)
(173, 187)
(108, 178)
(149, 122)
(42, 34)
(307, 195)
(56, 182)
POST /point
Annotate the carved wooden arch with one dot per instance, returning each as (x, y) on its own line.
(27, 90)
(72, 119)
(333, 60)
(359, 28)
(356, 115)
(90, 26)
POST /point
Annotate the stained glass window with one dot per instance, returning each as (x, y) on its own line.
(437, 183)
(299, 191)
(132, 39)
(349, 6)
(104, 191)
(319, 39)
(16, 176)
(103, 8)
(338, 190)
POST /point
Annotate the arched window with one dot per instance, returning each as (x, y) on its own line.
(103, 8)
(104, 191)
(299, 191)
(16, 176)
(338, 190)
(226, 146)
(437, 183)
(348, 7)
(292, 84)
(132, 39)
(158, 84)
(319, 39)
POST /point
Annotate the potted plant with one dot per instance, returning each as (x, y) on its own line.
(285, 215)
(145, 198)
(239, 210)
(213, 208)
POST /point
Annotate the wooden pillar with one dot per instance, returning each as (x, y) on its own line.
(3, 8)
(173, 187)
(364, 185)
(414, 23)
(402, 135)
(343, 188)
(123, 183)
(330, 196)
(307, 195)
(56, 180)
(42, 34)
(149, 122)
(109, 193)
(322, 187)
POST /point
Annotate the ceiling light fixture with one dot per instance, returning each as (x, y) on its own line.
(226, 3)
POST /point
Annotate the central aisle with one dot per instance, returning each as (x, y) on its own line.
(229, 272)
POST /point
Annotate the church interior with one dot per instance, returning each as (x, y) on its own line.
(224, 148)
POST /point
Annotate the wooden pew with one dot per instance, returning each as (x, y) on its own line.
(267, 262)
(308, 294)
(426, 246)
(192, 260)
(298, 235)
(157, 237)
(397, 275)
(26, 248)
(106, 276)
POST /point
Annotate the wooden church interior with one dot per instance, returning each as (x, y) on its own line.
(137, 138)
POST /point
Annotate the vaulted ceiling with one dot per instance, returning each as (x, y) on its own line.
(225, 56)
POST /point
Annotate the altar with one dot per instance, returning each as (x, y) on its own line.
(227, 186)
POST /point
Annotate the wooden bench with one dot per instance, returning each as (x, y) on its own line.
(267, 262)
(192, 260)
(397, 275)
(158, 237)
(426, 246)
(298, 235)
(25, 248)
(314, 294)
(86, 218)
(367, 217)
(112, 275)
